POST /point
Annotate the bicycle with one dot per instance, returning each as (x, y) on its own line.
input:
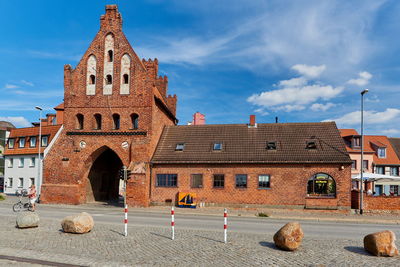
(20, 205)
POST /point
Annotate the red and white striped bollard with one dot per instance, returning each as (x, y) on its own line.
(173, 222)
(126, 221)
(225, 224)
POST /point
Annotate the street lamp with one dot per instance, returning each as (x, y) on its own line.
(39, 145)
(362, 150)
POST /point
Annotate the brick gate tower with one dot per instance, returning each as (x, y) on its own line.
(116, 107)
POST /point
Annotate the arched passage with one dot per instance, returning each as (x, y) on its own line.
(103, 184)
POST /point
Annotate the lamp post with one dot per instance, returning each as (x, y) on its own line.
(362, 150)
(39, 182)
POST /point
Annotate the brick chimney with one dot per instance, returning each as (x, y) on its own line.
(252, 121)
(198, 119)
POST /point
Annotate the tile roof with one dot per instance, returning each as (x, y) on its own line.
(391, 157)
(242, 144)
(395, 142)
(50, 130)
(348, 132)
(60, 107)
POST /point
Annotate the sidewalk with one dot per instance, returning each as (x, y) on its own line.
(286, 214)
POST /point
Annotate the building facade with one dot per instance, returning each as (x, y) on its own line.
(5, 128)
(117, 113)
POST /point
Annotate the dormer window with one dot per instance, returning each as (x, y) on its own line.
(217, 146)
(271, 146)
(382, 152)
(11, 143)
(22, 142)
(356, 142)
(180, 147)
(311, 145)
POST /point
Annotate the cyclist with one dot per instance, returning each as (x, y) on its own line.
(32, 196)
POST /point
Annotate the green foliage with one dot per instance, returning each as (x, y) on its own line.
(2, 197)
(262, 214)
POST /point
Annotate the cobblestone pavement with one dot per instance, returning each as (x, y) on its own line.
(151, 246)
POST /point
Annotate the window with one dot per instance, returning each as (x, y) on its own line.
(22, 142)
(394, 171)
(110, 56)
(45, 141)
(311, 145)
(116, 121)
(32, 141)
(21, 163)
(241, 180)
(79, 121)
(381, 152)
(126, 79)
(10, 182)
(92, 79)
(108, 79)
(135, 121)
(32, 162)
(321, 184)
(197, 180)
(97, 121)
(21, 182)
(32, 180)
(356, 142)
(10, 163)
(354, 164)
(365, 164)
(271, 146)
(219, 180)
(394, 190)
(167, 180)
(11, 143)
(263, 181)
(180, 147)
(217, 146)
(380, 170)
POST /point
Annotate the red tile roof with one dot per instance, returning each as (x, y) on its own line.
(348, 132)
(391, 157)
(347, 135)
(27, 133)
(60, 107)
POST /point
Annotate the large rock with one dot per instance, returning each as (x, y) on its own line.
(289, 237)
(27, 220)
(381, 244)
(78, 223)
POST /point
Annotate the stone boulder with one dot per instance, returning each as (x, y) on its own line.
(381, 244)
(289, 237)
(78, 223)
(27, 220)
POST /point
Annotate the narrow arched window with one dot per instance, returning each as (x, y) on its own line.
(126, 78)
(109, 79)
(79, 121)
(135, 121)
(321, 185)
(97, 121)
(92, 79)
(110, 56)
(116, 121)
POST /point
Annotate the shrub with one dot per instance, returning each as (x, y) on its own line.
(262, 214)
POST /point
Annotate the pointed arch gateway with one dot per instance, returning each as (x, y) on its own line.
(102, 180)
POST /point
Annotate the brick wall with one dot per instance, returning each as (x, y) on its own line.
(375, 203)
(288, 185)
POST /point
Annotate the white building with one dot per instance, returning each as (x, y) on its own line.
(21, 156)
(5, 128)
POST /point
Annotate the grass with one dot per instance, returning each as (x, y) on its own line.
(262, 214)
(2, 197)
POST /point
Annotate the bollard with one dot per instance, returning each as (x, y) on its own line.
(173, 223)
(126, 221)
(225, 224)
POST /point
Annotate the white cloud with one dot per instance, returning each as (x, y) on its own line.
(293, 82)
(17, 121)
(27, 83)
(390, 131)
(297, 96)
(322, 107)
(363, 79)
(261, 111)
(370, 117)
(11, 86)
(309, 71)
(289, 108)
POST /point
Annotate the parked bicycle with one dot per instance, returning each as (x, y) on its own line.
(21, 205)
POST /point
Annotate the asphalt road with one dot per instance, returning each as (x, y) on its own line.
(257, 225)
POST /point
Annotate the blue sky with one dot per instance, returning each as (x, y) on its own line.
(302, 61)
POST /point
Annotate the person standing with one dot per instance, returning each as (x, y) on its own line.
(32, 196)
